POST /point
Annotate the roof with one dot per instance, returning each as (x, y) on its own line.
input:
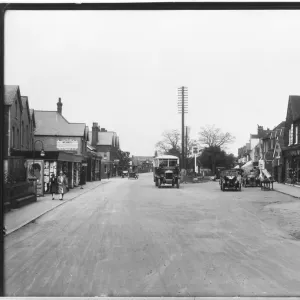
(53, 123)
(294, 101)
(281, 125)
(105, 138)
(25, 103)
(167, 157)
(10, 94)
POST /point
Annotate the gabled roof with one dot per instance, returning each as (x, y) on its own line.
(53, 123)
(281, 125)
(294, 103)
(11, 93)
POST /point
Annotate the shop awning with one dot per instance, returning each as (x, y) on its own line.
(64, 156)
(247, 166)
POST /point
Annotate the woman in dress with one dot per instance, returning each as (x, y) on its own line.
(62, 186)
(53, 185)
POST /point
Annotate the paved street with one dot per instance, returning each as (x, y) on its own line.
(129, 238)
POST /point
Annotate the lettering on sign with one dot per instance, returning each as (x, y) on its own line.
(68, 145)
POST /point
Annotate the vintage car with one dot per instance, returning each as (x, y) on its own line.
(166, 171)
(251, 179)
(230, 179)
(124, 174)
(133, 175)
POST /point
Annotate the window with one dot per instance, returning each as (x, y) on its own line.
(23, 134)
(292, 135)
(297, 134)
(16, 111)
(27, 134)
(105, 168)
(13, 137)
(18, 139)
(172, 163)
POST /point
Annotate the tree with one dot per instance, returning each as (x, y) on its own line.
(124, 159)
(211, 136)
(214, 140)
(213, 157)
(170, 143)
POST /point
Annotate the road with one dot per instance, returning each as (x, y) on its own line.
(129, 238)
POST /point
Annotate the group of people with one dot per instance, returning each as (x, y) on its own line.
(58, 185)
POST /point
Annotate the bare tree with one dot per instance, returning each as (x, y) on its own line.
(211, 136)
(169, 142)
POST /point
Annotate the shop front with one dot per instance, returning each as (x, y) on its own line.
(55, 161)
(292, 166)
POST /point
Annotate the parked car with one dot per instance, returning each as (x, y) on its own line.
(230, 179)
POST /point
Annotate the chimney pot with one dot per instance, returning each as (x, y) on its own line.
(59, 106)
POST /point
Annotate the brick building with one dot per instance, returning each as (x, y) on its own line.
(107, 145)
(291, 150)
(64, 144)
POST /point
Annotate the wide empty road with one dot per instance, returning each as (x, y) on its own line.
(129, 238)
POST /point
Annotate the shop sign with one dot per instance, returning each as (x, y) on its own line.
(67, 145)
(261, 164)
(84, 164)
(294, 152)
(35, 171)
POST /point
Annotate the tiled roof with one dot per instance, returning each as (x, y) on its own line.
(53, 123)
(10, 94)
(282, 124)
(294, 101)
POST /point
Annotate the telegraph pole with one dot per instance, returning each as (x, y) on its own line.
(182, 108)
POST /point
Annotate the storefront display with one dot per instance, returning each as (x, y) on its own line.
(50, 167)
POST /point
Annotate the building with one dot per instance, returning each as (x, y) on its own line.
(271, 151)
(19, 126)
(142, 164)
(64, 145)
(291, 150)
(107, 146)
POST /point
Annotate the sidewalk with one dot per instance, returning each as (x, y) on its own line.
(20, 217)
(287, 189)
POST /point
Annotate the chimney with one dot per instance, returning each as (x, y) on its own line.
(103, 130)
(59, 106)
(95, 130)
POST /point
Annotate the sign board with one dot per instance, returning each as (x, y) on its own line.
(67, 145)
(35, 171)
(84, 164)
(261, 164)
(195, 150)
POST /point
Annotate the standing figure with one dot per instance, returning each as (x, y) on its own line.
(108, 174)
(62, 186)
(53, 185)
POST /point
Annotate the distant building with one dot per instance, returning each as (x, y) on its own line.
(107, 145)
(142, 163)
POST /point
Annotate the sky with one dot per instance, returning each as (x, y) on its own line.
(122, 69)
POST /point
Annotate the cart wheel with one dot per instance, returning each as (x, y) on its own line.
(240, 188)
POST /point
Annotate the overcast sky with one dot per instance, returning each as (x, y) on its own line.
(122, 68)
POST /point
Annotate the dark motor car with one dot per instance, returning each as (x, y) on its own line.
(230, 179)
(251, 179)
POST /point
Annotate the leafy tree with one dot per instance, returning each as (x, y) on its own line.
(124, 159)
(214, 140)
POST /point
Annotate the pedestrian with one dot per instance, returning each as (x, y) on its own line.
(108, 174)
(53, 185)
(62, 185)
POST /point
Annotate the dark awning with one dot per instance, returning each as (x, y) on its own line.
(63, 156)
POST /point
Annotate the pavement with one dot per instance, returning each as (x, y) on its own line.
(129, 238)
(17, 218)
(290, 190)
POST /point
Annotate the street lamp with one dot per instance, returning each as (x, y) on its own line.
(42, 150)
